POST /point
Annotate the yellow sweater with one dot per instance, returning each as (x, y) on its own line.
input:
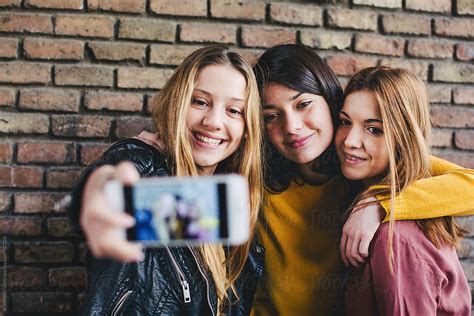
(301, 234)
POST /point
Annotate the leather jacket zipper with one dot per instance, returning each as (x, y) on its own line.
(184, 283)
(120, 302)
(205, 279)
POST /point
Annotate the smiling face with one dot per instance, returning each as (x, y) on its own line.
(360, 141)
(298, 124)
(215, 118)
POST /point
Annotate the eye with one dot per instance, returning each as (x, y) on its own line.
(235, 112)
(375, 130)
(199, 102)
(303, 104)
(343, 121)
(270, 117)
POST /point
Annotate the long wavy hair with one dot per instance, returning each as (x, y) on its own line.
(404, 106)
(297, 67)
(170, 107)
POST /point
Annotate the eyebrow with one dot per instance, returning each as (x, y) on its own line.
(272, 106)
(367, 121)
(210, 94)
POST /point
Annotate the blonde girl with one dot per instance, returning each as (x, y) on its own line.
(208, 118)
(383, 140)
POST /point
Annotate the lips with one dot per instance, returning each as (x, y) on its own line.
(353, 159)
(299, 142)
(207, 140)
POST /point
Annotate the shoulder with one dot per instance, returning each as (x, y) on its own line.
(148, 160)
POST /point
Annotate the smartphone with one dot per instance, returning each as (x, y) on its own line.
(176, 211)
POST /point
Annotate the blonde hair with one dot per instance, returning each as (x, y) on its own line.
(404, 106)
(170, 107)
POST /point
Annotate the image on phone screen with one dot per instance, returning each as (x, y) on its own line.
(177, 211)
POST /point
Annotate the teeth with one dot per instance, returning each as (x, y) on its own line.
(207, 140)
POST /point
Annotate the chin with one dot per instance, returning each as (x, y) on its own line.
(352, 175)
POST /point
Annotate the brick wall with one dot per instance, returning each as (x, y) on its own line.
(76, 75)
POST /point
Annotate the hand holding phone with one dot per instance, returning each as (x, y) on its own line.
(185, 210)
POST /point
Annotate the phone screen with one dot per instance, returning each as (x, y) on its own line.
(188, 211)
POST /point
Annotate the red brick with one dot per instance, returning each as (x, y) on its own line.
(6, 152)
(132, 126)
(348, 65)
(439, 93)
(465, 51)
(38, 302)
(142, 78)
(29, 23)
(5, 202)
(55, 4)
(443, 6)
(20, 226)
(378, 44)
(129, 102)
(293, 13)
(454, 27)
(36, 202)
(181, 8)
(441, 138)
(147, 29)
(465, 7)
(463, 95)
(464, 140)
(8, 47)
(326, 39)
(208, 33)
(78, 25)
(118, 51)
(380, 3)
(90, 152)
(10, 3)
(49, 100)
(444, 116)
(170, 54)
(7, 97)
(450, 72)
(20, 72)
(46, 152)
(38, 252)
(428, 48)
(464, 159)
(352, 19)
(21, 177)
(81, 125)
(41, 48)
(131, 6)
(61, 178)
(250, 55)
(24, 123)
(418, 67)
(67, 278)
(406, 24)
(257, 36)
(78, 75)
(61, 227)
(233, 9)
(25, 277)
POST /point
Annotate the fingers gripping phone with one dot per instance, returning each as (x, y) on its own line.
(174, 211)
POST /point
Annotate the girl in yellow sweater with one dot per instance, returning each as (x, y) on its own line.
(306, 197)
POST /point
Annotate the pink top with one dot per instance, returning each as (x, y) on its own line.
(426, 280)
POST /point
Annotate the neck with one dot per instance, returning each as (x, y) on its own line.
(309, 176)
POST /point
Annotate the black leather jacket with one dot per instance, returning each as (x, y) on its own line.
(161, 283)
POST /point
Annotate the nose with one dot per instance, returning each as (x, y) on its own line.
(213, 118)
(292, 123)
(353, 138)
